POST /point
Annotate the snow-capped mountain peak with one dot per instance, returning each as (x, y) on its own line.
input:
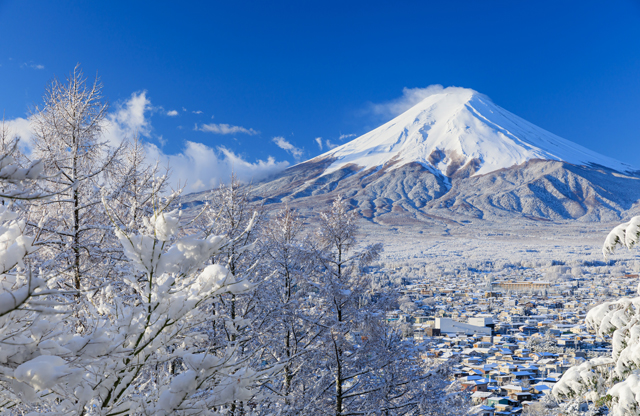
(459, 129)
(457, 156)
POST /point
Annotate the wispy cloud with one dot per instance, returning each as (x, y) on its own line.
(282, 143)
(225, 129)
(172, 113)
(409, 98)
(197, 112)
(31, 65)
(319, 141)
(346, 136)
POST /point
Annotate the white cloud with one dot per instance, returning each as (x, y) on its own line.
(197, 112)
(282, 143)
(129, 119)
(172, 113)
(225, 129)
(203, 167)
(409, 98)
(199, 165)
(19, 128)
(346, 136)
(319, 141)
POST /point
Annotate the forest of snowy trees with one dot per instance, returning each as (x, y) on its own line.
(114, 302)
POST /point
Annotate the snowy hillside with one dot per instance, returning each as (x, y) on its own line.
(459, 128)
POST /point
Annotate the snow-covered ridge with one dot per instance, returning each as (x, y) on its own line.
(461, 128)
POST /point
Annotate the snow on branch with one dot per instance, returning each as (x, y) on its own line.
(626, 235)
(614, 380)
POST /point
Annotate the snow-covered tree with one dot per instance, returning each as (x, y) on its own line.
(125, 360)
(68, 139)
(234, 317)
(144, 292)
(133, 184)
(17, 175)
(360, 364)
(29, 311)
(229, 213)
(543, 342)
(614, 380)
(286, 325)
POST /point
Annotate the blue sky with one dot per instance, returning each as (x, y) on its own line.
(299, 70)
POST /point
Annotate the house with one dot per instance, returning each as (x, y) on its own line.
(478, 385)
(542, 355)
(501, 404)
(541, 388)
(480, 397)
(517, 393)
(521, 397)
(502, 378)
(449, 326)
(567, 342)
(485, 369)
(528, 330)
(484, 410)
(523, 375)
(497, 401)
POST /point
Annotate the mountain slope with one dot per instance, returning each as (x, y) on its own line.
(456, 154)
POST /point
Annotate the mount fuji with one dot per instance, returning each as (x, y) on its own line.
(454, 156)
(460, 129)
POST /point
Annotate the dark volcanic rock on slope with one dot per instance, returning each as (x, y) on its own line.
(545, 189)
(537, 189)
(376, 191)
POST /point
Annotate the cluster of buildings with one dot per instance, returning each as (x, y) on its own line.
(513, 337)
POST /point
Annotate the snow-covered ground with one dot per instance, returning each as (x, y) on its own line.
(472, 245)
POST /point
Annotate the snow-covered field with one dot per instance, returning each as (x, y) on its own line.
(532, 244)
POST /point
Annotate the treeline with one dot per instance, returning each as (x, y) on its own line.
(113, 303)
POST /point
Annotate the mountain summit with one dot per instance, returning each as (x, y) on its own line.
(457, 156)
(460, 130)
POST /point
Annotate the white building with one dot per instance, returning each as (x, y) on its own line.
(449, 326)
